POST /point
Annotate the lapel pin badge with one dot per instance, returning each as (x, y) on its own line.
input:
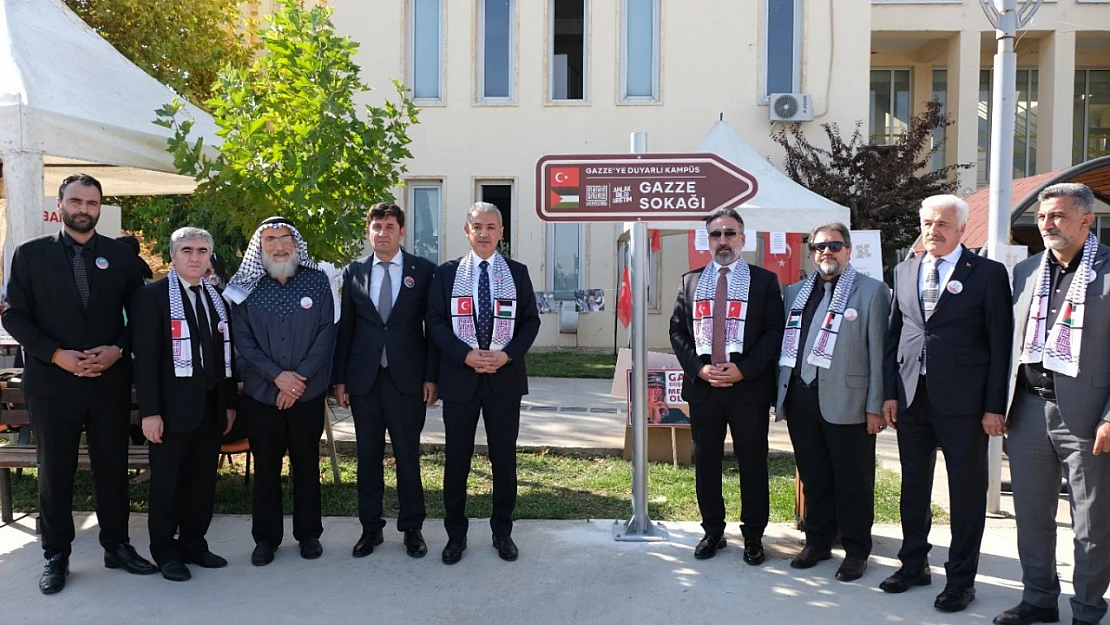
(101, 262)
(409, 282)
(955, 287)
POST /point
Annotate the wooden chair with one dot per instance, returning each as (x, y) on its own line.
(241, 446)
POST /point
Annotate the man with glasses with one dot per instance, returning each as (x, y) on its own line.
(726, 331)
(831, 394)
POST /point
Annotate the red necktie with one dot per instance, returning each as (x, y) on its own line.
(720, 304)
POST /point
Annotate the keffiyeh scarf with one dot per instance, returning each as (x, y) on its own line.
(179, 328)
(464, 308)
(251, 269)
(825, 343)
(736, 311)
(1060, 352)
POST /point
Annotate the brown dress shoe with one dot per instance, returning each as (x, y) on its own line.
(851, 569)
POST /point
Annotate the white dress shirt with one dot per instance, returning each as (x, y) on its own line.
(377, 273)
(477, 273)
(945, 266)
(731, 275)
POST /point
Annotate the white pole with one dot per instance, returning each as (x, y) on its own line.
(23, 185)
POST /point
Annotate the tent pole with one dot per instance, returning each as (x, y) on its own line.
(23, 184)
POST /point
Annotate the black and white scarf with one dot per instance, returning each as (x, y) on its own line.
(251, 270)
(179, 327)
(464, 308)
(1060, 353)
(736, 311)
(825, 343)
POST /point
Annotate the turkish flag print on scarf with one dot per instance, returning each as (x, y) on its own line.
(788, 266)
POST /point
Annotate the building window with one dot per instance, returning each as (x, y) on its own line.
(568, 62)
(640, 50)
(425, 206)
(495, 49)
(1092, 115)
(426, 49)
(890, 104)
(500, 194)
(1025, 124)
(939, 137)
(565, 252)
(782, 46)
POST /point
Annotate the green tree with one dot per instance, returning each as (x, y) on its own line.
(293, 141)
(882, 185)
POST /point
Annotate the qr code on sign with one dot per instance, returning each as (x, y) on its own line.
(597, 195)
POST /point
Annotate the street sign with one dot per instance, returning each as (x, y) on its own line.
(629, 187)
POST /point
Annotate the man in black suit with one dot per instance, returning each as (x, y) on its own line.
(67, 296)
(385, 371)
(726, 331)
(187, 399)
(482, 316)
(945, 373)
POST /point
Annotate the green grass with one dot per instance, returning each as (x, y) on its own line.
(550, 487)
(569, 364)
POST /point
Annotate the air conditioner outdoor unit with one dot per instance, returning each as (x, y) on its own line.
(791, 107)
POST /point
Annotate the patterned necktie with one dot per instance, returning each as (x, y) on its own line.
(809, 370)
(81, 274)
(204, 326)
(385, 300)
(930, 293)
(720, 306)
(485, 308)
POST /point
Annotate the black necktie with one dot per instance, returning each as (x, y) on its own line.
(81, 274)
(485, 309)
(205, 329)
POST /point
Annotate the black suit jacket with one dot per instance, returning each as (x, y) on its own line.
(413, 359)
(457, 381)
(179, 401)
(967, 338)
(44, 312)
(762, 339)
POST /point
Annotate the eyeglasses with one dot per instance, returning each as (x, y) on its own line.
(728, 234)
(832, 246)
(285, 238)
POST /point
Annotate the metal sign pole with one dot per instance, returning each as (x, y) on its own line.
(639, 528)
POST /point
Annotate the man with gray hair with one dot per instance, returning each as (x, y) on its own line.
(482, 316)
(1059, 408)
(950, 329)
(187, 399)
(284, 329)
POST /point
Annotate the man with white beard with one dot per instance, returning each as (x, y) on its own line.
(283, 327)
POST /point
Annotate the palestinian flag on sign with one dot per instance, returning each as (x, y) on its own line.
(563, 186)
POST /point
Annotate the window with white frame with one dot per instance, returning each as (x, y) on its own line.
(939, 135)
(496, 43)
(640, 50)
(422, 231)
(889, 104)
(566, 244)
(1025, 124)
(568, 53)
(426, 34)
(782, 46)
(1091, 115)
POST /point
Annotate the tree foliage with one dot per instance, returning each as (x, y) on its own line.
(294, 143)
(882, 185)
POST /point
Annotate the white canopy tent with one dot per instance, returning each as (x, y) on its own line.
(70, 102)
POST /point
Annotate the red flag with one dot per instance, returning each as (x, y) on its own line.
(696, 258)
(788, 266)
(624, 300)
(656, 241)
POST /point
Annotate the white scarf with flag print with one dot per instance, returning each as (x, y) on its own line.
(464, 308)
(179, 327)
(825, 343)
(736, 311)
(1060, 353)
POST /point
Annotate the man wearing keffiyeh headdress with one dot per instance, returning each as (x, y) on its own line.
(726, 331)
(284, 330)
(1059, 408)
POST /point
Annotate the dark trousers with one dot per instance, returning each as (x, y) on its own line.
(748, 424)
(460, 420)
(964, 444)
(385, 407)
(837, 467)
(183, 488)
(273, 432)
(58, 422)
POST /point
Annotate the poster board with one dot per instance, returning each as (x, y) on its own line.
(665, 405)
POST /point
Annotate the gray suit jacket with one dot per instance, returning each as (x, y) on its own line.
(1085, 399)
(852, 386)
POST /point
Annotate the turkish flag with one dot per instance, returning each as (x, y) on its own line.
(464, 306)
(563, 177)
(788, 266)
(656, 241)
(624, 300)
(696, 258)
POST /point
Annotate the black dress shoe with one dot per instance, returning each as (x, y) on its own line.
(54, 574)
(204, 559)
(904, 579)
(809, 557)
(708, 546)
(175, 571)
(452, 553)
(311, 549)
(125, 557)
(1025, 613)
(753, 552)
(506, 548)
(414, 544)
(263, 554)
(851, 569)
(954, 598)
(366, 543)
